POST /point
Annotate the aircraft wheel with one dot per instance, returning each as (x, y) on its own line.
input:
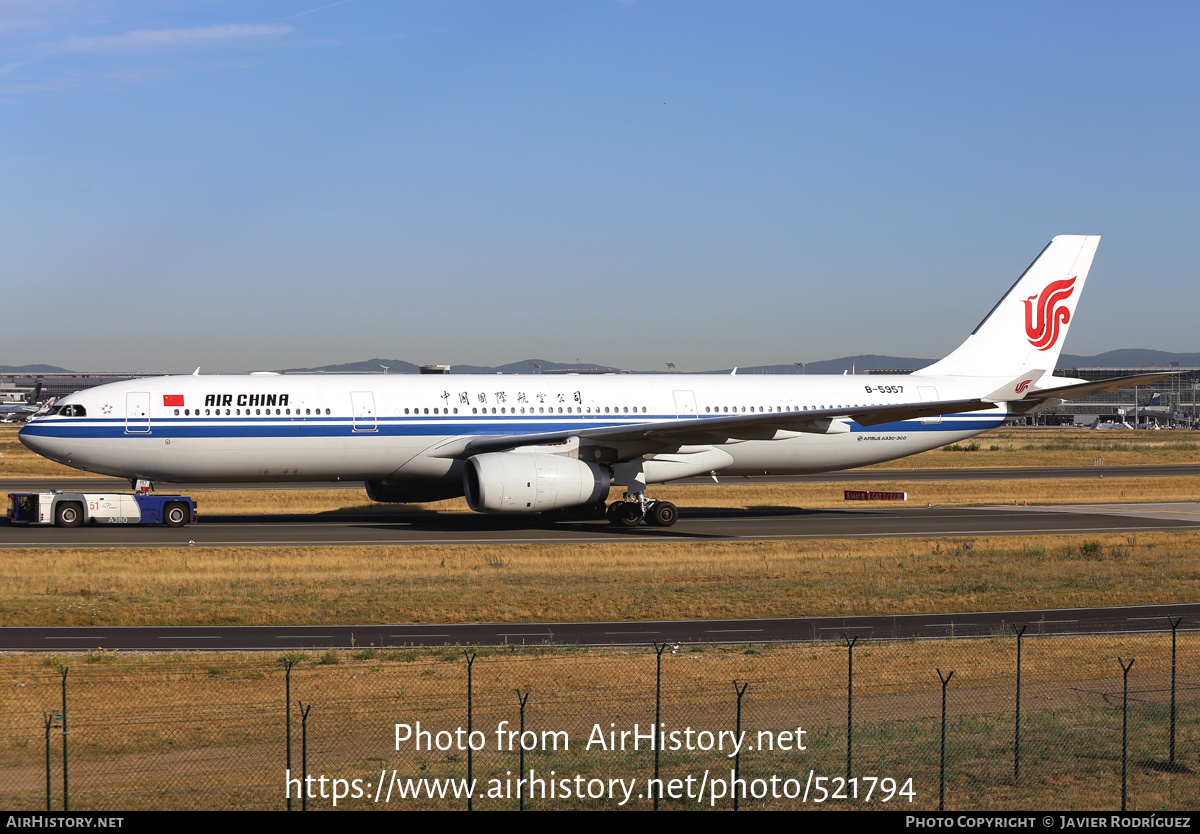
(68, 514)
(175, 515)
(591, 512)
(662, 514)
(625, 514)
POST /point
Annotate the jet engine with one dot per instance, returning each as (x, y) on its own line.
(523, 482)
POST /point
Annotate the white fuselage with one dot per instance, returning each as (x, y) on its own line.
(389, 427)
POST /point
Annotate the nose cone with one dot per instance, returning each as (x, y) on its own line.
(31, 440)
(36, 439)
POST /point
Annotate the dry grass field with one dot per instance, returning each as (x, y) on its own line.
(1038, 446)
(579, 582)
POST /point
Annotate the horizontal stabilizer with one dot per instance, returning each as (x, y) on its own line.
(1016, 389)
(1062, 393)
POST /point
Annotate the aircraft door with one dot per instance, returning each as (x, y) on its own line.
(137, 412)
(685, 403)
(362, 405)
(929, 394)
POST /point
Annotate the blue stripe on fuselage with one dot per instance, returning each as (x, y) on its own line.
(209, 427)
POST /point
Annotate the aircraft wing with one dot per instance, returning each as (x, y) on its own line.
(707, 431)
(691, 431)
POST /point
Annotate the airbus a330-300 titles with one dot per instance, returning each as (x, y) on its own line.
(533, 444)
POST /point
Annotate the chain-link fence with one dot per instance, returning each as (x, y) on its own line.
(1029, 723)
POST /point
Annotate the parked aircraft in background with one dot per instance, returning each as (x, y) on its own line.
(530, 444)
(17, 410)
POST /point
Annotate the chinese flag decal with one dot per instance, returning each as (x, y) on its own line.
(172, 399)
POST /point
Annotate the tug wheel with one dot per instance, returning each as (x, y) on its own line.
(68, 514)
(175, 515)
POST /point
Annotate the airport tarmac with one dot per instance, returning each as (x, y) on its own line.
(1123, 620)
(694, 525)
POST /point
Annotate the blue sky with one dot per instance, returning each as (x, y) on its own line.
(243, 185)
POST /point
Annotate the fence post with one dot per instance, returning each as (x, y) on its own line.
(737, 759)
(51, 717)
(470, 656)
(942, 780)
(1017, 731)
(520, 773)
(657, 717)
(849, 703)
(1174, 629)
(304, 754)
(288, 663)
(1125, 733)
(66, 792)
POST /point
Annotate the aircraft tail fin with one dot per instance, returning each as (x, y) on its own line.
(1027, 327)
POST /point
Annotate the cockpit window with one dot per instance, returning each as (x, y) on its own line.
(73, 411)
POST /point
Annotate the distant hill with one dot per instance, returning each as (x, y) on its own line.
(1129, 358)
(858, 364)
(399, 366)
(32, 369)
(369, 366)
(1122, 358)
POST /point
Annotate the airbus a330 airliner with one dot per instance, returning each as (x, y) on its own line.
(532, 444)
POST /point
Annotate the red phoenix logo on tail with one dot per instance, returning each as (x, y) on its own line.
(1051, 314)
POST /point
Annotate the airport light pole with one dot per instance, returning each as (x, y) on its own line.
(1175, 391)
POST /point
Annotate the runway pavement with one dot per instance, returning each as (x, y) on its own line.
(694, 525)
(1147, 618)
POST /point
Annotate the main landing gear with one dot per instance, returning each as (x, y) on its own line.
(636, 508)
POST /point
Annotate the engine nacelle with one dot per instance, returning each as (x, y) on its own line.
(521, 482)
